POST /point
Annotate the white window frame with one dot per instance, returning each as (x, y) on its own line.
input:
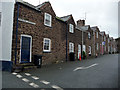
(89, 50)
(84, 48)
(97, 34)
(71, 47)
(89, 35)
(105, 48)
(71, 28)
(108, 40)
(108, 48)
(49, 45)
(49, 20)
(104, 38)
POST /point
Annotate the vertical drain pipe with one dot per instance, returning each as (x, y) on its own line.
(66, 43)
(16, 32)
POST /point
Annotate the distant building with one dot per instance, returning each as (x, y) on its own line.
(118, 45)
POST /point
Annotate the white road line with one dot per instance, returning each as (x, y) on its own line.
(14, 73)
(34, 85)
(45, 82)
(25, 80)
(92, 65)
(27, 74)
(34, 77)
(19, 76)
(85, 67)
(56, 87)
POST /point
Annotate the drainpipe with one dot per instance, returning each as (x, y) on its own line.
(16, 33)
(94, 43)
(82, 43)
(66, 43)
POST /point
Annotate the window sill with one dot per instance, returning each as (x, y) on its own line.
(71, 32)
(48, 26)
(46, 51)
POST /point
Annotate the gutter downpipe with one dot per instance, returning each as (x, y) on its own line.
(66, 43)
(82, 43)
(16, 33)
(94, 44)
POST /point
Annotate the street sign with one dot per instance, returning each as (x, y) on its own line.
(103, 43)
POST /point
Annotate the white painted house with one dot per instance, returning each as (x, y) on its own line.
(6, 28)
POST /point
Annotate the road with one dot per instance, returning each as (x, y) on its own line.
(101, 72)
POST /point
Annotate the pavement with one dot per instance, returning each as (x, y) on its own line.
(101, 72)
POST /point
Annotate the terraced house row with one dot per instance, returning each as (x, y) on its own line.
(36, 30)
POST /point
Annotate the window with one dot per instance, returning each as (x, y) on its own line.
(89, 50)
(84, 48)
(97, 34)
(104, 38)
(97, 46)
(47, 45)
(89, 35)
(71, 28)
(108, 48)
(108, 40)
(47, 19)
(105, 48)
(71, 47)
(0, 18)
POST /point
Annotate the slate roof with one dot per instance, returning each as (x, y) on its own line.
(94, 28)
(27, 4)
(84, 28)
(66, 18)
(59, 18)
(102, 33)
(39, 6)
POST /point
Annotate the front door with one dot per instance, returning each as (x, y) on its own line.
(79, 51)
(26, 44)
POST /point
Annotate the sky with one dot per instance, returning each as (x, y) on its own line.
(101, 13)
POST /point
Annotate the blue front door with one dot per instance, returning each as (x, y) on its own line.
(25, 49)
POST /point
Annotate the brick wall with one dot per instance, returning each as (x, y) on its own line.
(75, 37)
(39, 32)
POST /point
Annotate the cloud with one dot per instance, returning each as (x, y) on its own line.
(102, 13)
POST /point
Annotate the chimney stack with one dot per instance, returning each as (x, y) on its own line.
(80, 23)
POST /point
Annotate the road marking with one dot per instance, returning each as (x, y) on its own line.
(14, 73)
(34, 85)
(45, 82)
(25, 80)
(78, 68)
(56, 87)
(27, 74)
(19, 76)
(34, 77)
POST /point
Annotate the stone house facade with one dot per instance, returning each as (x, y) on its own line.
(87, 37)
(97, 40)
(107, 43)
(113, 45)
(73, 36)
(118, 44)
(103, 42)
(45, 39)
